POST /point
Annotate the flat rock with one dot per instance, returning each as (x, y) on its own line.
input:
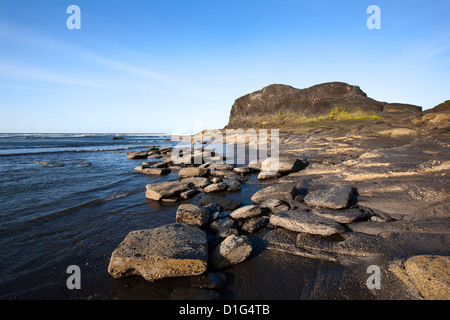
(283, 164)
(428, 274)
(193, 172)
(224, 203)
(222, 224)
(221, 166)
(156, 171)
(307, 222)
(283, 192)
(254, 224)
(137, 155)
(215, 187)
(342, 216)
(275, 205)
(196, 182)
(233, 185)
(265, 175)
(158, 191)
(188, 194)
(350, 247)
(246, 212)
(338, 197)
(173, 250)
(192, 215)
(231, 251)
(242, 170)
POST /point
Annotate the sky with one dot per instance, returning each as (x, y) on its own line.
(145, 66)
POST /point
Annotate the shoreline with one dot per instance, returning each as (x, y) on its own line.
(390, 177)
(385, 234)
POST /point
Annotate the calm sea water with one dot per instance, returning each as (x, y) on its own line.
(70, 199)
(65, 196)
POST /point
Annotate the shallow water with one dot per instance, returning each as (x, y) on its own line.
(65, 196)
(57, 211)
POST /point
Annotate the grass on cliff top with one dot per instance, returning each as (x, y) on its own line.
(340, 115)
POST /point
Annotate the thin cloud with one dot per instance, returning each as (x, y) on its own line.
(30, 38)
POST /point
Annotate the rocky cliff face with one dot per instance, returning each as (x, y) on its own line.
(315, 101)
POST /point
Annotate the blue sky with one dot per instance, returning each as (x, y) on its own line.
(164, 66)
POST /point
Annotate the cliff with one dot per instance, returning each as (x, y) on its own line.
(277, 100)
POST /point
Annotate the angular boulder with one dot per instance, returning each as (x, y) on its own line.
(283, 164)
(246, 212)
(192, 215)
(275, 205)
(158, 191)
(173, 250)
(283, 192)
(342, 216)
(338, 197)
(224, 203)
(193, 172)
(231, 251)
(197, 182)
(137, 155)
(307, 222)
(156, 171)
(254, 224)
(233, 185)
(215, 187)
(428, 274)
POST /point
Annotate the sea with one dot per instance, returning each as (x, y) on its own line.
(70, 199)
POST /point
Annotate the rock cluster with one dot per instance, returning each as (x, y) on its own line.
(325, 221)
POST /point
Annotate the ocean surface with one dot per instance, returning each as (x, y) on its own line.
(62, 197)
(70, 199)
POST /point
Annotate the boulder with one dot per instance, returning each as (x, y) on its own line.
(188, 194)
(231, 251)
(246, 212)
(196, 182)
(215, 187)
(233, 176)
(275, 205)
(221, 166)
(254, 224)
(339, 197)
(254, 165)
(224, 203)
(192, 215)
(282, 164)
(428, 274)
(173, 250)
(242, 170)
(193, 172)
(341, 216)
(156, 171)
(233, 185)
(137, 155)
(158, 191)
(283, 192)
(154, 156)
(222, 224)
(265, 175)
(307, 222)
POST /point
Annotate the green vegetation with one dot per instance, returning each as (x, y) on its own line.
(289, 119)
(335, 115)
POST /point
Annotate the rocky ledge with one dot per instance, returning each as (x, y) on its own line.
(351, 195)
